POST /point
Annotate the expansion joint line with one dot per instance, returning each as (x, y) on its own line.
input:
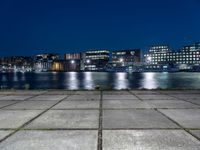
(180, 99)
(22, 126)
(185, 129)
(135, 95)
(19, 101)
(99, 142)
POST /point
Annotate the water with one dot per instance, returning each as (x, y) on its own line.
(90, 80)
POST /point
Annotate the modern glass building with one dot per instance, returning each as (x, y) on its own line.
(161, 57)
(95, 60)
(125, 60)
(73, 61)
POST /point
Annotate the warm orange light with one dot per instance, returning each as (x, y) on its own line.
(56, 66)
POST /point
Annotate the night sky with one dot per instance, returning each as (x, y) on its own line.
(28, 27)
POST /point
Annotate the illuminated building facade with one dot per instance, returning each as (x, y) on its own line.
(125, 60)
(157, 54)
(95, 60)
(58, 65)
(74, 61)
(44, 62)
(66, 65)
(158, 58)
(161, 57)
(46, 56)
(16, 63)
(72, 56)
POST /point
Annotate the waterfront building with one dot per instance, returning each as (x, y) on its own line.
(125, 60)
(66, 65)
(157, 55)
(44, 65)
(95, 60)
(44, 62)
(159, 58)
(16, 64)
(16, 60)
(59, 65)
(74, 61)
(51, 56)
(162, 58)
(72, 56)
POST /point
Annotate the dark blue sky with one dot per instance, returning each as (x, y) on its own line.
(29, 27)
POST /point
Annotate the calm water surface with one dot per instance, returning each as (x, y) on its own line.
(89, 80)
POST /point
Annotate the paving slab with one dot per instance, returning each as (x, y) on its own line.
(196, 101)
(32, 105)
(66, 119)
(6, 92)
(87, 93)
(124, 119)
(59, 92)
(6, 103)
(15, 97)
(126, 104)
(51, 140)
(145, 92)
(28, 92)
(186, 96)
(2, 96)
(84, 97)
(4, 133)
(155, 97)
(77, 104)
(179, 91)
(49, 97)
(16, 118)
(196, 133)
(119, 97)
(149, 140)
(172, 104)
(188, 118)
(116, 92)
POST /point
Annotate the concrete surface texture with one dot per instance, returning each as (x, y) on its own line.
(100, 120)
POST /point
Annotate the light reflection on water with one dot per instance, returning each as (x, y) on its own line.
(73, 81)
(90, 80)
(149, 81)
(121, 81)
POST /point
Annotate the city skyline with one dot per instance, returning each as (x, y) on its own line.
(62, 55)
(158, 58)
(33, 27)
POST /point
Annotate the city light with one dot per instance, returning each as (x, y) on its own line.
(56, 66)
(149, 81)
(87, 61)
(121, 81)
(149, 58)
(72, 61)
(155, 59)
(121, 60)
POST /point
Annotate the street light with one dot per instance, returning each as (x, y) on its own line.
(121, 60)
(87, 61)
(72, 61)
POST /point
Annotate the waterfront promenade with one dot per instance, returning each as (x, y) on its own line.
(100, 120)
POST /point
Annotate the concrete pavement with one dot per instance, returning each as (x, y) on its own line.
(100, 120)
